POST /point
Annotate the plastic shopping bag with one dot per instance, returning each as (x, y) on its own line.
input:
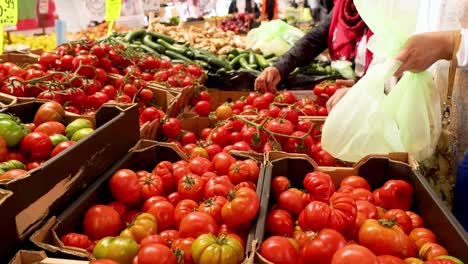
(366, 121)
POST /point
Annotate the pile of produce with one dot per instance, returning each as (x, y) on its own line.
(350, 224)
(76, 76)
(208, 38)
(238, 23)
(24, 147)
(46, 42)
(97, 32)
(183, 212)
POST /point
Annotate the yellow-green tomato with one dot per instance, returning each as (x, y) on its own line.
(81, 133)
(223, 249)
(120, 249)
(76, 125)
(57, 139)
(454, 259)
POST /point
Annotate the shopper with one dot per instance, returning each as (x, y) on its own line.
(244, 6)
(343, 32)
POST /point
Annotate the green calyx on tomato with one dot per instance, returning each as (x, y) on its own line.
(76, 125)
(120, 249)
(12, 131)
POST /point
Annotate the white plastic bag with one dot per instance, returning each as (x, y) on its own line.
(366, 121)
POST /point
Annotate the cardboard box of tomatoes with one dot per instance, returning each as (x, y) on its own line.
(145, 156)
(422, 210)
(40, 257)
(51, 186)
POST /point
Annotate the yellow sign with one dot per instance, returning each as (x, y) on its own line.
(8, 12)
(113, 8)
(1, 39)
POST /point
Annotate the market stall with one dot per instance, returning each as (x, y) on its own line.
(132, 143)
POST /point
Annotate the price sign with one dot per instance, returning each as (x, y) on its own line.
(43, 7)
(113, 8)
(8, 12)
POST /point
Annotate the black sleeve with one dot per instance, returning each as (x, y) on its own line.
(305, 50)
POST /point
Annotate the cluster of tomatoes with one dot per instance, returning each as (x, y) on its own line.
(258, 124)
(76, 76)
(348, 225)
(195, 212)
(24, 147)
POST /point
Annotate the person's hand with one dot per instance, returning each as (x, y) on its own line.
(423, 50)
(268, 80)
(339, 94)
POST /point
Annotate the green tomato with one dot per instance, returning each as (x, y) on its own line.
(78, 135)
(454, 259)
(5, 116)
(11, 132)
(120, 249)
(58, 138)
(76, 125)
(11, 165)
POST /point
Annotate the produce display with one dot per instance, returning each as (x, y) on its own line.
(25, 146)
(238, 23)
(183, 212)
(22, 42)
(97, 32)
(349, 224)
(209, 37)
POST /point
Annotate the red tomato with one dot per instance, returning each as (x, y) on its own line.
(396, 194)
(164, 170)
(76, 240)
(354, 254)
(322, 247)
(355, 182)
(155, 254)
(218, 186)
(33, 165)
(119, 207)
(194, 70)
(171, 128)
(11, 174)
(279, 250)
(61, 147)
(340, 214)
(416, 220)
(212, 150)
(401, 218)
(188, 137)
(421, 236)
(101, 221)
(319, 185)
(153, 239)
(110, 91)
(323, 158)
(289, 113)
(195, 224)
(203, 108)
(212, 206)
(279, 223)
(3, 150)
(164, 213)
(36, 146)
(151, 201)
(200, 165)
(184, 245)
(182, 209)
(124, 186)
(285, 97)
(146, 94)
(239, 172)
(389, 259)
(51, 128)
(293, 200)
(170, 236)
(242, 207)
(254, 170)
(222, 162)
(279, 184)
(151, 185)
(430, 251)
(192, 187)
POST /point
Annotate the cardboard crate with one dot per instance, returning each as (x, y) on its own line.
(377, 170)
(144, 156)
(40, 257)
(21, 57)
(50, 187)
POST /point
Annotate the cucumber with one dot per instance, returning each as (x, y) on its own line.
(220, 63)
(261, 61)
(134, 35)
(148, 41)
(149, 50)
(189, 54)
(244, 64)
(161, 36)
(170, 47)
(235, 61)
(204, 64)
(251, 57)
(178, 62)
(269, 56)
(177, 56)
(230, 57)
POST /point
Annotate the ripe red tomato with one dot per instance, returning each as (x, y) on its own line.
(242, 207)
(188, 138)
(293, 200)
(319, 185)
(389, 259)
(322, 247)
(164, 170)
(195, 224)
(153, 239)
(222, 162)
(355, 182)
(151, 201)
(191, 187)
(254, 170)
(212, 206)
(101, 221)
(174, 198)
(416, 220)
(301, 144)
(323, 158)
(212, 150)
(151, 185)
(203, 108)
(51, 128)
(76, 240)
(183, 208)
(239, 172)
(278, 249)
(421, 236)
(124, 186)
(354, 254)
(61, 147)
(155, 254)
(146, 94)
(218, 186)
(171, 128)
(150, 114)
(200, 165)
(396, 194)
(289, 113)
(36, 146)
(279, 184)
(164, 213)
(279, 222)
(285, 97)
(96, 100)
(119, 207)
(184, 245)
(194, 70)
(170, 235)
(401, 218)
(110, 91)
(11, 174)
(430, 251)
